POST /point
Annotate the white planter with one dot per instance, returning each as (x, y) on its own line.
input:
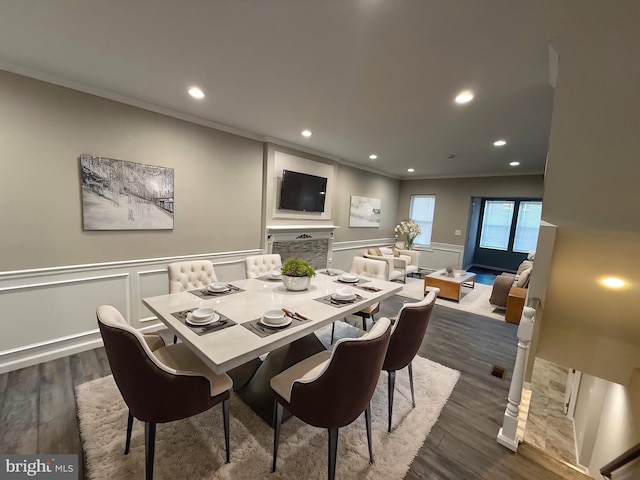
(296, 283)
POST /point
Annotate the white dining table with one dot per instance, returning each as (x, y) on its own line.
(240, 352)
(231, 347)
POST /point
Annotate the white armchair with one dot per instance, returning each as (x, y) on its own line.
(397, 266)
(412, 259)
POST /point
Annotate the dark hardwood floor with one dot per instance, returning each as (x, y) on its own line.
(38, 410)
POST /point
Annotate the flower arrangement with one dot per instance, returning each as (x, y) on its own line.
(409, 230)
(297, 268)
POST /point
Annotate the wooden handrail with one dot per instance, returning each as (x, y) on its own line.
(620, 461)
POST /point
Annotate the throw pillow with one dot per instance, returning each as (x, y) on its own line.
(396, 253)
(375, 251)
(525, 265)
(523, 279)
(385, 252)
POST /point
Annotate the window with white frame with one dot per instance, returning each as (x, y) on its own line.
(503, 229)
(527, 226)
(496, 224)
(421, 211)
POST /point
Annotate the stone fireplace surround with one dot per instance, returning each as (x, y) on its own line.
(313, 243)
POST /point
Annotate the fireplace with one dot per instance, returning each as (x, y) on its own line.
(311, 243)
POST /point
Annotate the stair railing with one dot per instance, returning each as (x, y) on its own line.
(508, 434)
(620, 461)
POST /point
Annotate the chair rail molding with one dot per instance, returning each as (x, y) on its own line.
(62, 302)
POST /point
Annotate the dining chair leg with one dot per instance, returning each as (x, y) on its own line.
(175, 339)
(149, 448)
(364, 323)
(333, 329)
(413, 398)
(392, 384)
(333, 452)
(367, 420)
(225, 421)
(277, 423)
(129, 428)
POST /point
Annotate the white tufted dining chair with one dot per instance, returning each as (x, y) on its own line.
(258, 265)
(366, 267)
(190, 275)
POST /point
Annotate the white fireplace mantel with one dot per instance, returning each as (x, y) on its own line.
(299, 228)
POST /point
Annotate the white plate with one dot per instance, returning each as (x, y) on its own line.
(344, 299)
(287, 321)
(214, 318)
(349, 280)
(275, 276)
(218, 289)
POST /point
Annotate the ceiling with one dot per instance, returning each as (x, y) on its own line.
(366, 76)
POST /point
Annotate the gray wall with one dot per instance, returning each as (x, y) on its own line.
(43, 130)
(453, 199)
(352, 181)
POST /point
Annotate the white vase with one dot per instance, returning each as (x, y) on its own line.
(296, 283)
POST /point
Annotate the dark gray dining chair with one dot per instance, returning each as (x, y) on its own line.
(331, 389)
(167, 384)
(408, 332)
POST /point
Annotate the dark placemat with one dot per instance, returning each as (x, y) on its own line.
(254, 326)
(331, 274)
(267, 278)
(354, 284)
(224, 322)
(336, 303)
(367, 288)
(205, 293)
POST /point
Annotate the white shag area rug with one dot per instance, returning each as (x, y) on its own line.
(474, 300)
(194, 448)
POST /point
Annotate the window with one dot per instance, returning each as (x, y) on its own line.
(527, 226)
(496, 224)
(421, 211)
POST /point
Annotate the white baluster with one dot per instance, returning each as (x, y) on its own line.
(507, 436)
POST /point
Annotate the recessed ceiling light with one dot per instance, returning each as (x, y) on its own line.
(196, 92)
(464, 97)
(411, 170)
(373, 156)
(306, 133)
(499, 143)
(514, 164)
(613, 282)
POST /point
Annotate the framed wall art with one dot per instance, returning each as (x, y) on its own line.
(364, 212)
(121, 195)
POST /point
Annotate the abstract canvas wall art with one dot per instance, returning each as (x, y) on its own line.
(365, 212)
(121, 195)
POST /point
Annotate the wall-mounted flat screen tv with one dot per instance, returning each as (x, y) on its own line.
(302, 192)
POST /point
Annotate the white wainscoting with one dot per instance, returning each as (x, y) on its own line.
(51, 312)
(440, 255)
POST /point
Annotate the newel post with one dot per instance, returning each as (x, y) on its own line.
(507, 436)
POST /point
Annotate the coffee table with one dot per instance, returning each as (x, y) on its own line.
(450, 287)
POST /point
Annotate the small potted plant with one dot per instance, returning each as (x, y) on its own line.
(296, 274)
